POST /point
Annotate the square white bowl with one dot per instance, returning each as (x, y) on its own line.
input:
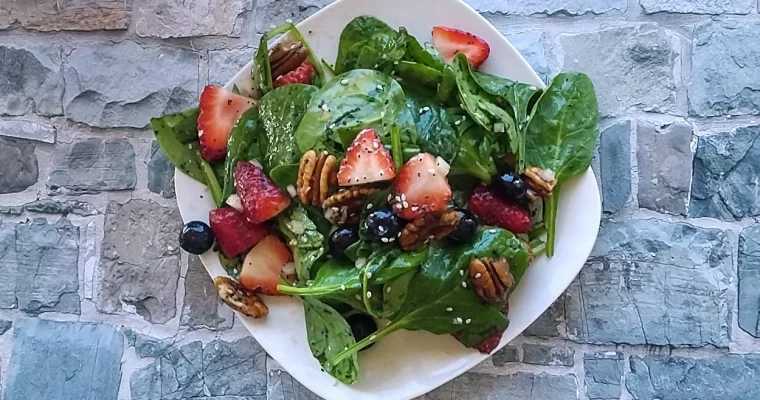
(408, 364)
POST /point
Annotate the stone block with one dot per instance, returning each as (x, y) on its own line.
(91, 166)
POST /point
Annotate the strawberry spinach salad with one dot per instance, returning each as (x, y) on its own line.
(408, 191)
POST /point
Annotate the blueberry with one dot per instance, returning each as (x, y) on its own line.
(341, 239)
(196, 237)
(362, 325)
(510, 186)
(382, 226)
(466, 229)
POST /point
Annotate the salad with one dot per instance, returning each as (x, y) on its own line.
(398, 188)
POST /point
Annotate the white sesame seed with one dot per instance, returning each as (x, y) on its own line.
(431, 171)
(395, 63)
(344, 81)
(532, 88)
(373, 337)
(382, 114)
(390, 196)
(325, 107)
(467, 321)
(399, 235)
(464, 284)
(478, 275)
(449, 309)
(379, 87)
(414, 208)
(455, 322)
(342, 287)
(369, 275)
(426, 108)
(457, 122)
(336, 209)
(369, 294)
(461, 272)
(459, 320)
(376, 65)
(388, 289)
(369, 206)
(375, 145)
(492, 231)
(399, 206)
(331, 126)
(406, 205)
(391, 240)
(403, 197)
(384, 240)
(431, 237)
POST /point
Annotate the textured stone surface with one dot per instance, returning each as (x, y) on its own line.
(282, 386)
(28, 130)
(698, 6)
(749, 281)
(160, 172)
(48, 206)
(56, 360)
(505, 355)
(532, 46)
(31, 80)
(676, 378)
(560, 7)
(615, 165)
(521, 385)
(654, 282)
(152, 82)
(139, 260)
(725, 78)
(81, 15)
(146, 346)
(548, 324)
(223, 65)
(724, 184)
(93, 165)
(8, 265)
(5, 326)
(540, 354)
(202, 308)
(173, 18)
(19, 169)
(217, 369)
(12, 210)
(636, 66)
(603, 372)
(275, 12)
(47, 278)
(665, 159)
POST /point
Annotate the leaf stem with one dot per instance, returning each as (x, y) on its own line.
(307, 291)
(550, 218)
(396, 151)
(379, 334)
(213, 183)
(330, 68)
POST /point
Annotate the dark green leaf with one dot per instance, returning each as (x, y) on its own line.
(243, 138)
(284, 175)
(381, 51)
(304, 239)
(354, 37)
(427, 55)
(474, 155)
(436, 130)
(329, 334)
(173, 132)
(280, 112)
(447, 87)
(420, 74)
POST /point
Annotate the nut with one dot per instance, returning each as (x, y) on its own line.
(239, 298)
(345, 206)
(421, 231)
(491, 278)
(286, 56)
(540, 181)
(316, 175)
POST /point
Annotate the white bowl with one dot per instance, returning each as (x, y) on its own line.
(408, 364)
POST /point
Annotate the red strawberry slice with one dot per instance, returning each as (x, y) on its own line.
(220, 110)
(366, 161)
(494, 210)
(303, 74)
(450, 42)
(421, 187)
(233, 232)
(261, 198)
(263, 265)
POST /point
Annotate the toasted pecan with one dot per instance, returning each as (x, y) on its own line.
(491, 278)
(239, 298)
(423, 230)
(345, 206)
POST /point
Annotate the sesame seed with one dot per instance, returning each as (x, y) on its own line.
(391, 240)
(457, 122)
(426, 108)
(332, 126)
(459, 320)
(369, 206)
(464, 284)
(342, 287)
(431, 171)
(431, 237)
(449, 309)
(414, 208)
(382, 114)
(403, 197)
(478, 275)
(357, 297)
(399, 235)
(369, 275)
(344, 81)
(468, 321)
(461, 272)
(384, 240)
(375, 145)
(492, 231)
(399, 206)
(395, 63)
(455, 322)
(406, 205)
(373, 337)
(532, 88)
(325, 107)
(379, 87)
(390, 196)
(369, 294)
(376, 65)
(388, 289)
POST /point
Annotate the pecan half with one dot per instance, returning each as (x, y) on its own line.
(345, 206)
(239, 298)
(317, 174)
(491, 278)
(286, 56)
(540, 181)
(423, 230)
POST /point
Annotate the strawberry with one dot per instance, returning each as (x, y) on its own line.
(302, 74)
(233, 232)
(493, 210)
(450, 42)
(263, 265)
(366, 161)
(421, 187)
(220, 110)
(261, 198)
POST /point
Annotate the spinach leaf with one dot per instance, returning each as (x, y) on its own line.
(213, 176)
(474, 155)
(561, 136)
(438, 287)
(353, 101)
(516, 97)
(243, 138)
(426, 55)
(356, 36)
(436, 130)
(304, 239)
(395, 292)
(284, 175)
(447, 87)
(329, 334)
(177, 135)
(419, 74)
(382, 51)
(280, 112)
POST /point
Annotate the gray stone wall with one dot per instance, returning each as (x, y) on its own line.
(97, 301)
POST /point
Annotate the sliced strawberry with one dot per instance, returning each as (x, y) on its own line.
(263, 265)
(233, 232)
(421, 187)
(450, 42)
(261, 198)
(494, 210)
(303, 74)
(220, 110)
(366, 161)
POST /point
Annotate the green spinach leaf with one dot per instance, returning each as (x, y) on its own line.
(474, 154)
(280, 112)
(284, 175)
(243, 139)
(304, 239)
(357, 36)
(177, 135)
(436, 130)
(329, 334)
(426, 55)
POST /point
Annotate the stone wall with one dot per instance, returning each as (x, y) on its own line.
(97, 301)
